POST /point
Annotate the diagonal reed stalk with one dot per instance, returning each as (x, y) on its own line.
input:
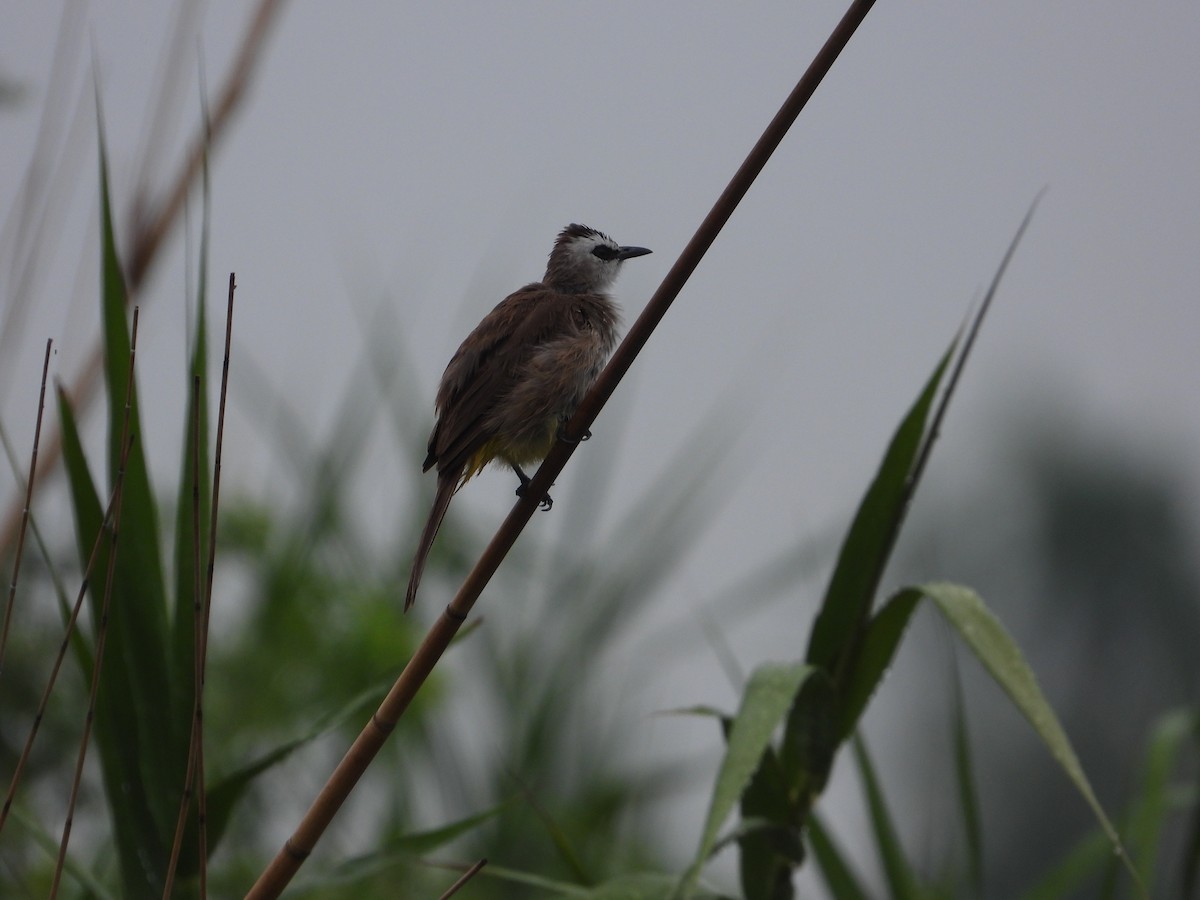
(37, 433)
(297, 848)
(463, 879)
(105, 525)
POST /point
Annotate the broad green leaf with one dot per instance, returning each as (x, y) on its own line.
(869, 542)
(902, 881)
(769, 694)
(874, 656)
(835, 869)
(993, 646)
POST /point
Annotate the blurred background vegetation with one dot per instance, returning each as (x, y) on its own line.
(534, 745)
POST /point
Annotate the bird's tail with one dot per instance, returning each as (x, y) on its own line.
(441, 502)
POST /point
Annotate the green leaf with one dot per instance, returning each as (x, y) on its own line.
(1083, 862)
(993, 646)
(640, 886)
(769, 841)
(133, 823)
(869, 542)
(142, 732)
(968, 799)
(769, 694)
(701, 710)
(223, 795)
(902, 881)
(809, 740)
(836, 871)
(872, 536)
(528, 879)
(49, 844)
(1190, 871)
(874, 656)
(88, 516)
(1153, 802)
(401, 850)
(635, 886)
(193, 499)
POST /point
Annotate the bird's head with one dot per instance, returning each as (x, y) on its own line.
(585, 260)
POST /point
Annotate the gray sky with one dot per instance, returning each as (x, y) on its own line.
(430, 152)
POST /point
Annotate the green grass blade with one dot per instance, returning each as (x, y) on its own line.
(551, 886)
(640, 886)
(1084, 861)
(398, 851)
(139, 733)
(809, 743)
(48, 843)
(874, 656)
(154, 751)
(769, 695)
(191, 494)
(868, 544)
(876, 525)
(993, 647)
(558, 835)
(968, 796)
(1189, 874)
(133, 822)
(902, 881)
(835, 869)
(1153, 803)
(85, 504)
(768, 836)
(225, 793)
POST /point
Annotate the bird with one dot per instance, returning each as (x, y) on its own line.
(520, 374)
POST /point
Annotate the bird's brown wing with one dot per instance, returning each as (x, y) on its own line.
(486, 366)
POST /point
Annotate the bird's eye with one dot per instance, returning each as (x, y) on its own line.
(605, 252)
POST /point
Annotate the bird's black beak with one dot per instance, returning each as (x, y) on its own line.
(631, 252)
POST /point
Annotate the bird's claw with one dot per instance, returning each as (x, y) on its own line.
(544, 504)
(562, 435)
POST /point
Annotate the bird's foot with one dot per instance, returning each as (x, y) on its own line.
(545, 503)
(562, 435)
